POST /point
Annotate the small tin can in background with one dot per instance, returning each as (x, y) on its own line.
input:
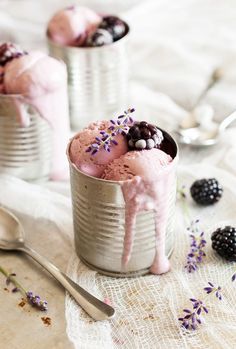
(99, 223)
(25, 152)
(97, 79)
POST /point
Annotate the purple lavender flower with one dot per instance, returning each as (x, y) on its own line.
(197, 245)
(9, 278)
(117, 126)
(213, 289)
(33, 300)
(36, 301)
(193, 317)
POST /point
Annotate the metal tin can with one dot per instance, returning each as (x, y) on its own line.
(97, 79)
(25, 152)
(99, 224)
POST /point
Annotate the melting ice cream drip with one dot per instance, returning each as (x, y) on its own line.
(145, 195)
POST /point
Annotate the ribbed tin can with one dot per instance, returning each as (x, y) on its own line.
(97, 79)
(99, 224)
(25, 152)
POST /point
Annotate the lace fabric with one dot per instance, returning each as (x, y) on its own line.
(174, 47)
(148, 307)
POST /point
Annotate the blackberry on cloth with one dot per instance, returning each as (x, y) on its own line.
(224, 242)
(206, 191)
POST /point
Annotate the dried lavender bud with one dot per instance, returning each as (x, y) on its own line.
(212, 289)
(36, 301)
(9, 278)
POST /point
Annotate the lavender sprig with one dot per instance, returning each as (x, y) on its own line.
(197, 245)
(32, 299)
(117, 126)
(213, 289)
(193, 318)
(197, 239)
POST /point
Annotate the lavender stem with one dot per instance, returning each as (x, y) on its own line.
(13, 280)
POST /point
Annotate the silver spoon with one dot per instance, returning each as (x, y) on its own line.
(12, 238)
(197, 137)
(189, 121)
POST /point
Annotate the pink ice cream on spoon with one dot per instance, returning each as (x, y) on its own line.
(41, 81)
(145, 173)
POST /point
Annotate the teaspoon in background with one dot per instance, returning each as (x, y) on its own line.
(200, 137)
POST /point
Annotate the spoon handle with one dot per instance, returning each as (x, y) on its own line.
(97, 309)
(227, 121)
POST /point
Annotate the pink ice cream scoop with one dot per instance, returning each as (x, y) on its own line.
(41, 81)
(94, 165)
(71, 26)
(8, 52)
(146, 163)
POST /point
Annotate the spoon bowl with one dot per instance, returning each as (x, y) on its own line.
(11, 231)
(198, 137)
(12, 238)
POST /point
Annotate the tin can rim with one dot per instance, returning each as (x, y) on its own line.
(89, 49)
(22, 99)
(110, 182)
(10, 95)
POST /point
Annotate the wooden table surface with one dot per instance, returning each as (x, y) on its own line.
(22, 327)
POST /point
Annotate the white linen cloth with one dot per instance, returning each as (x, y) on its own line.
(174, 48)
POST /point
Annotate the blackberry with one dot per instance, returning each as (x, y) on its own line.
(114, 25)
(206, 191)
(224, 242)
(100, 37)
(143, 135)
(8, 52)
